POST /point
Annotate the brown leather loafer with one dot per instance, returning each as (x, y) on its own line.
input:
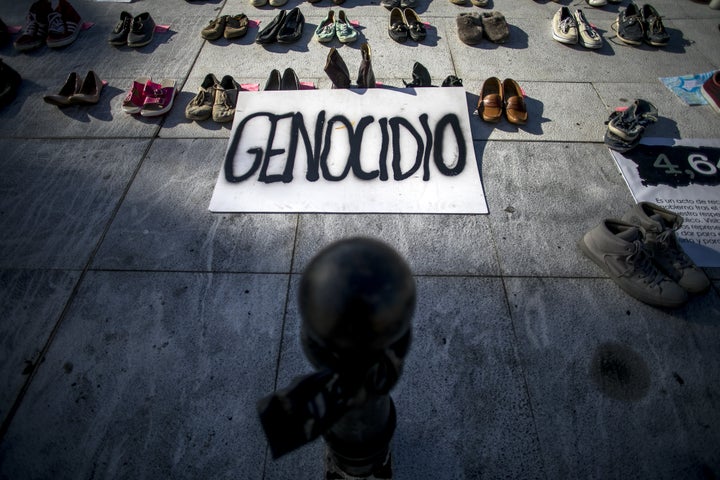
(490, 104)
(515, 109)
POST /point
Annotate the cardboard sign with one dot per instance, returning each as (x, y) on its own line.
(351, 151)
(684, 177)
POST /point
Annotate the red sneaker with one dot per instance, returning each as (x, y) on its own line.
(65, 24)
(711, 91)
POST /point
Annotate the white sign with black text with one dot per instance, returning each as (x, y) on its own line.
(378, 150)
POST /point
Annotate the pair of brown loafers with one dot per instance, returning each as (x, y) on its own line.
(496, 97)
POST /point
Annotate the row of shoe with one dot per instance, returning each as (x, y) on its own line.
(574, 28)
(10, 81)
(133, 31)
(626, 126)
(642, 255)
(473, 27)
(406, 24)
(329, 28)
(498, 97)
(148, 98)
(228, 26)
(57, 27)
(77, 91)
(216, 99)
(635, 25)
(286, 27)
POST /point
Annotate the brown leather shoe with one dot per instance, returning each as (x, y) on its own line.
(89, 93)
(71, 87)
(515, 109)
(490, 104)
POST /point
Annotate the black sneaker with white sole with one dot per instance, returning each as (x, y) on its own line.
(655, 33)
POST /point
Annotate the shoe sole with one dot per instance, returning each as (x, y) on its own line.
(566, 41)
(629, 41)
(657, 44)
(28, 47)
(140, 44)
(649, 300)
(157, 113)
(65, 41)
(131, 110)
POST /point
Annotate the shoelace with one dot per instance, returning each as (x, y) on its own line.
(566, 24)
(640, 262)
(344, 29)
(655, 25)
(56, 22)
(668, 243)
(31, 24)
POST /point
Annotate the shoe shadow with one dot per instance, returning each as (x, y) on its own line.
(677, 43)
(159, 38)
(102, 111)
(517, 40)
(664, 127)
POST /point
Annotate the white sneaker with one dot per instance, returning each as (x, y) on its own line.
(564, 27)
(588, 37)
(596, 3)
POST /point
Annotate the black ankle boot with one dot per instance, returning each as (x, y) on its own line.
(336, 70)
(366, 77)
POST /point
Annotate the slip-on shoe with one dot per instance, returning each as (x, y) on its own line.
(490, 104)
(397, 29)
(292, 27)
(416, 28)
(273, 81)
(119, 34)
(289, 80)
(62, 98)
(515, 109)
(89, 93)
(236, 26)
(269, 34)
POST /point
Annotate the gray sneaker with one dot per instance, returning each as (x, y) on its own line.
(660, 225)
(564, 26)
(618, 248)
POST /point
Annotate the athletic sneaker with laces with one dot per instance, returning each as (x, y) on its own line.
(34, 33)
(618, 248)
(630, 26)
(201, 106)
(587, 35)
(64, 25)
(564, 27)
(655, 33)
(226, 93)
(660, 225)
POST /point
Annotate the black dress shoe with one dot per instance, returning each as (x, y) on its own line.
(270, 32)
(292, 27)
(9, 84)
(289, 80)
(273, 81)
(119, 35)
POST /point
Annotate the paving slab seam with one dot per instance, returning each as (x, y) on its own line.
(66, 307)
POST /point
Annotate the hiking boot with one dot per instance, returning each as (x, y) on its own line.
(564, 27)
(588, 37)
(142, 31)
(34, 33)
(618, 248)
(655, 33)
(226, 92)
(201, 107)
(64, 25)
(660, 226)
(119, 34)
(711, 91)
(630, 124)
(630, 27)
(9, 83)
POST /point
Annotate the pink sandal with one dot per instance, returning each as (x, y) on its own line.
(136, 96)
(158, 98)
